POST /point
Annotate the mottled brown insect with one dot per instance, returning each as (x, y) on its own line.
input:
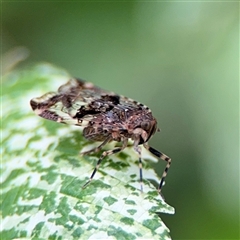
(105, 117)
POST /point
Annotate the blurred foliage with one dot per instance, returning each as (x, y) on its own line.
(179, 58)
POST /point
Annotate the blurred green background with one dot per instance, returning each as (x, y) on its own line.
(179, 58)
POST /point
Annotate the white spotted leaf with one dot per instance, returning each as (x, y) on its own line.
(43, 174)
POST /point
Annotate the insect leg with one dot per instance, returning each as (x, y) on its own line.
(105, 154)
(163, 157)
(138, 150)
(99, 147)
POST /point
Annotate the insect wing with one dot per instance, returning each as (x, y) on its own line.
(76, 103)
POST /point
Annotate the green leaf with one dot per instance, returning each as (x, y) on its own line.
(43, 173)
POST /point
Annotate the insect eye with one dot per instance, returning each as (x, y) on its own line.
(146, 126)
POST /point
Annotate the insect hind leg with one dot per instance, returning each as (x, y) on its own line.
(163, 157)
(98, 148)
(104, 154)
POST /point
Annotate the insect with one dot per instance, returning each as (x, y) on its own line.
(105, 117)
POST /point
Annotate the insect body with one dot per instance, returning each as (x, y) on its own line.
(105, 117)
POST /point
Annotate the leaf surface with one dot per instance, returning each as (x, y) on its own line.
(43, 173)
